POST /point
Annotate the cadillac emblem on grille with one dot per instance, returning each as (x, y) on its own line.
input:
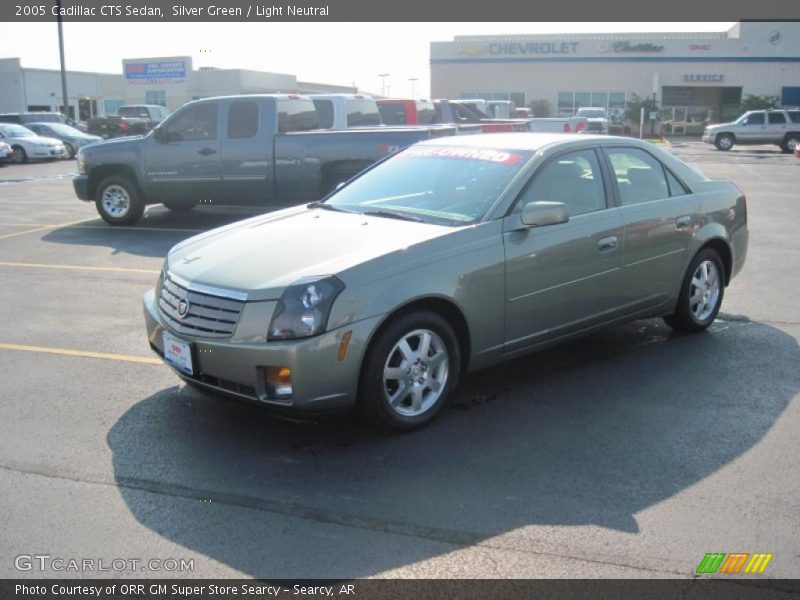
(183, 308)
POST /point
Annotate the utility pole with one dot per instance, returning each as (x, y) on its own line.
(65, 105)
(383, 77)
(413, 80)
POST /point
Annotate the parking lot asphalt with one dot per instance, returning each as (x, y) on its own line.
(630, 453)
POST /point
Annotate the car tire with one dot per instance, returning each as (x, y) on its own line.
(790, 143)
(402, 386)
(701, 293)
(70, 151)
(180, 207)
(119, 201)
(20, 156)
(724, 142)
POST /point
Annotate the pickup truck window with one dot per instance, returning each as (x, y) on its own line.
(325, 110)
(242, 120)
(426, 113)
(194, 123)
(135, 112)
(463, 114)
(362, 112)
(776, 119)
(393, 114)
(295, 114)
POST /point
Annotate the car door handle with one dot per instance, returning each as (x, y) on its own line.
(607, 244)
(207, 151)
(683, 222)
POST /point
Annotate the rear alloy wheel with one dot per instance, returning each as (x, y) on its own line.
(19, 156)
(118, 201)
(701, 293)
(410, 371)
(724, 142)
(790, 144)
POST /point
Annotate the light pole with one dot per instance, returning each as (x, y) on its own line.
(65, 109)
(383, 77)
(413, 80)
(388, 90)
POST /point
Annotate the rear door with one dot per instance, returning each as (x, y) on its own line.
(245, 149)
(566, 277)
(776, 126)
(184, 162)
(660, 217)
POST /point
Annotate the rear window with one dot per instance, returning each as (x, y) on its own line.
(297, 114)
(393, 114)
(794, 115)
(135, 112)
(325, 112)
(362, 112)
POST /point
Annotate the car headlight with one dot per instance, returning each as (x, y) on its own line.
(304, 308)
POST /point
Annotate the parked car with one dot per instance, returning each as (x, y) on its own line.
(452, 255)
(6, 153)
(779, 127)
(26, 145)
(255, 149)
(340, 111)
(407, 111)
(596, 119)
(39, 117)
(72, 139)
(133, 119)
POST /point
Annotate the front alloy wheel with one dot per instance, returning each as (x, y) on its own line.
(411, 369)
(724, 142)
(118, 200)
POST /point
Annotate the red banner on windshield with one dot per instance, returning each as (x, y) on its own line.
(500, 157)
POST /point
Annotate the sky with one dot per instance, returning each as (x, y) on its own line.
(334, 53)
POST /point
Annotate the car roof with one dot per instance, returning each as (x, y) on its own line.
(523, 141)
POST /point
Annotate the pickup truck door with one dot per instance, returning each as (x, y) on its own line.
(181, 159)
(245, 149)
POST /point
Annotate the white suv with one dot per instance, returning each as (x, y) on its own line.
(779, 127)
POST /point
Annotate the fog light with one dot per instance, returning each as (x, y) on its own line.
(279, 382)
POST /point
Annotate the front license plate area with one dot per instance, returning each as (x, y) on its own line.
(178, 354)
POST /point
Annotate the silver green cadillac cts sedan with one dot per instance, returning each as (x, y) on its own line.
(453, 255)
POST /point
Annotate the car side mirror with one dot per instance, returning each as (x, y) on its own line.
(541, 213)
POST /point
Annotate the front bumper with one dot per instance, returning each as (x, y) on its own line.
(47, 152)
(708, 138)
(80, 184)
(321, 383)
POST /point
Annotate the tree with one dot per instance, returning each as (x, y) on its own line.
(635, 105)
(754, 102)
(541, 107)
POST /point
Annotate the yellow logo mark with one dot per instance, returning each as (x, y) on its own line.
(472, 50)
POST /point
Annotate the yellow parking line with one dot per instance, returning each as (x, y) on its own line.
(78, 267)
(81, 353)
(43, 228)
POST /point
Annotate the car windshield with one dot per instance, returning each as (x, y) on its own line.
(444, 185)
(16, 131)
(595, 113)
(62, 129)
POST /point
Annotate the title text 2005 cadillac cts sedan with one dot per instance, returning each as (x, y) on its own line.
(453, 255)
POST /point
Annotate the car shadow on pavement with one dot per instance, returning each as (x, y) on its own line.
(154, 234)
(588, 433)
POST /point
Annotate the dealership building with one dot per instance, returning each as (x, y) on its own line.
(694, 76)
(167, 81)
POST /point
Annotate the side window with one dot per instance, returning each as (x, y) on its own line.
(195, 123)
(297, 114)
(794, 115)
(573, 179)
(362, 112)
(776, 118)
(393, 114)
(756, 119)
(242, 120)
(640, 176)
(325, 111)
(676, 188)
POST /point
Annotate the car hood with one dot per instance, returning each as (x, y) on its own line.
(120, 143)
(39, 139)
(263, 255)
(718, 126)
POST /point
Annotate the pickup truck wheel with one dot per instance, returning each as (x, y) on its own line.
(180, 207)
(790, 144)
(410, 371)
(724, 142)
(701, 293)
(118, 201)
(19, 156)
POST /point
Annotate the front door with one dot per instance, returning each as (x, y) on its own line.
(565, 277)
(182, 162)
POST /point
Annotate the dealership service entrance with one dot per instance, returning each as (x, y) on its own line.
(687, 109)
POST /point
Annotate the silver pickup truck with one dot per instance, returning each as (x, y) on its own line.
(779, 127)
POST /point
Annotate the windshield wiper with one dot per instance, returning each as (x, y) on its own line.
(326, 206)
(393, 215)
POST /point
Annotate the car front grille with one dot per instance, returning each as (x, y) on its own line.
(207, 316)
